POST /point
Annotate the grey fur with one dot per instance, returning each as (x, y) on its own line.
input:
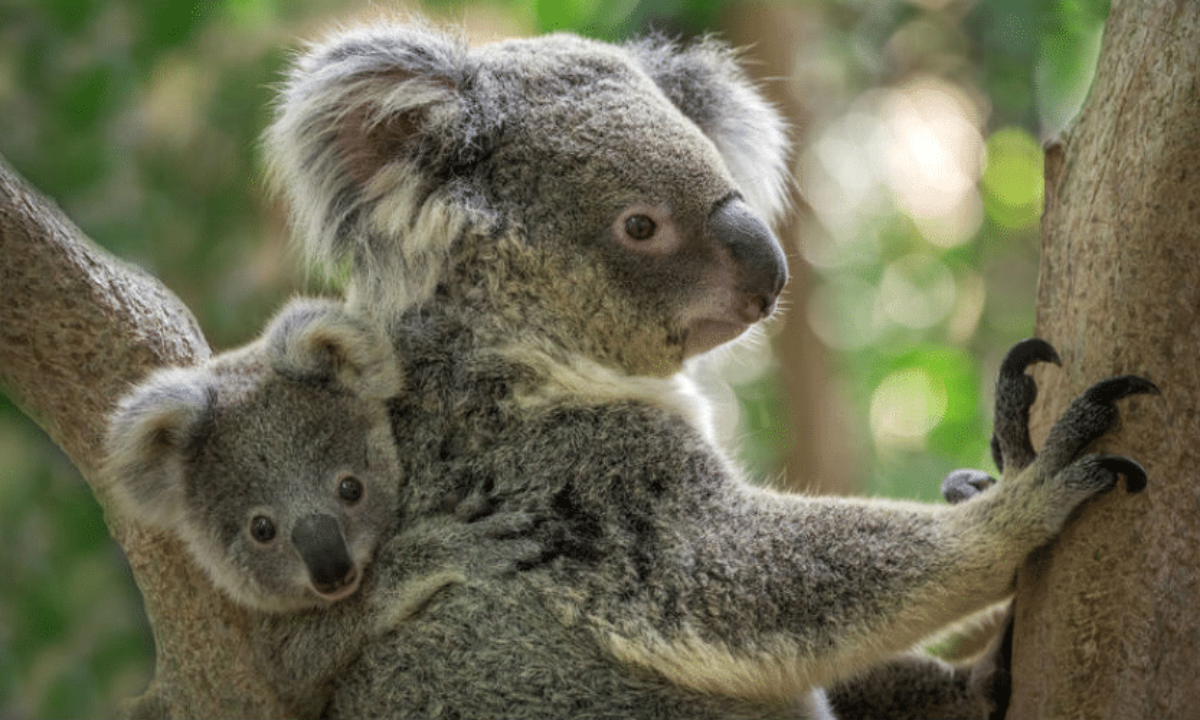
(550, 228)
(391, 142)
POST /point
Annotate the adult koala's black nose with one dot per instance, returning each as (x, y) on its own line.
(761, 265)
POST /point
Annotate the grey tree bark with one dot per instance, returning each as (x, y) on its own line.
(1107, 623)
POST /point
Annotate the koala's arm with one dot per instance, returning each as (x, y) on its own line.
(786, 593)
(919, 686)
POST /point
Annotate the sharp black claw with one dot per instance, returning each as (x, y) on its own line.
(1015, 394)
(1132, 470)
(1091, 415)
(1027, 352)
(1114, 388)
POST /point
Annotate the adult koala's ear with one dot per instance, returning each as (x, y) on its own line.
(150, 435)
(368, 123)
(313, 340)
(705, 81)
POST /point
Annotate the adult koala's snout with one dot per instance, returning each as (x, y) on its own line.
(758, 258)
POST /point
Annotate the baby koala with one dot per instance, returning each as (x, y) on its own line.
(274, 463)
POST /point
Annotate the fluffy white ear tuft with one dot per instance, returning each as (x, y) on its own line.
(365, 122)
(320, 340)
(707, 83)
(151, 433)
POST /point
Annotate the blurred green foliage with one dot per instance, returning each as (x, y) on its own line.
(141, 118)
(921, 164)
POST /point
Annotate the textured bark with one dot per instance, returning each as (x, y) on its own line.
(77, 327)
(1107, 622)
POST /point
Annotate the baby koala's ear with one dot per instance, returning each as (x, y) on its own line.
(151, 433)
(313, 340)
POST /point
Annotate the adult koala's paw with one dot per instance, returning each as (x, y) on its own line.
(1059, 473)
(1093, 414)
(1090, 416)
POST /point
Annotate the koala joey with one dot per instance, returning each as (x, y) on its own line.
(548, 229)
(274, 463)
(276, 466)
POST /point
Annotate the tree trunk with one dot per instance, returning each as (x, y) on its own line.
(1107, 623)
(77, 328)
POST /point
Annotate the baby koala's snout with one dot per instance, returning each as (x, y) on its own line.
(319, 541)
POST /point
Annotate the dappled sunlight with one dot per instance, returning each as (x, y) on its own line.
(845, 314)
(1012, 182)
(917, 291)
(928, 223)
(842, 179)
(905, 407)
(934, 158)
(918, 146)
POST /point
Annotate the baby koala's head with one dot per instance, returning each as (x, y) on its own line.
(274, 463)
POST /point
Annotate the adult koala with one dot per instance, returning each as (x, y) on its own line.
(550, 228)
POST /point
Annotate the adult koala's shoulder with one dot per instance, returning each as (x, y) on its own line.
(274, 463)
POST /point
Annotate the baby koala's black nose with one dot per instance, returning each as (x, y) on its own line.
(318, 539)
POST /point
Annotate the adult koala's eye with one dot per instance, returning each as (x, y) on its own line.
(262, 529)
(350, 489)
(640, 227)
(646, 229)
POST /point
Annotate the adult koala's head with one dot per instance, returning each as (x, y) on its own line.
(613, 200)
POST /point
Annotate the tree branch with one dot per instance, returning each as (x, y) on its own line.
(77, 328)
(1106, 619)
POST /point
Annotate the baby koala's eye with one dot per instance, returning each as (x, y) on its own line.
(350, 489)
(262, 529)
(640, 227)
